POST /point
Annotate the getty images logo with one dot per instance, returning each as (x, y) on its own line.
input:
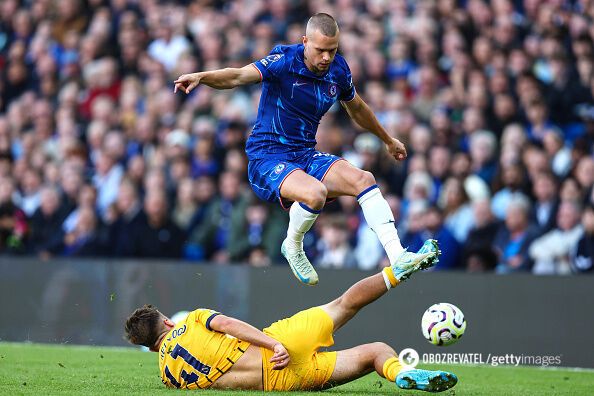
(409, 358)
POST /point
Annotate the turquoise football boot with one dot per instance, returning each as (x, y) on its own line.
(408, 262)
(425, 380)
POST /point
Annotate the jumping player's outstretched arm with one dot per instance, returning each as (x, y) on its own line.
(360, 112)
(219, 79)
(246, 332)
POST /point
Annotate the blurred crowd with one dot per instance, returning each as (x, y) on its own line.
(493, 99)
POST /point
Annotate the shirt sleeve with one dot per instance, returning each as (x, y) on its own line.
(347, 88)
(271, 67)
(204, 316)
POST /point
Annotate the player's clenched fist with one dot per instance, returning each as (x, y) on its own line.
(396, 149)
(187, 82)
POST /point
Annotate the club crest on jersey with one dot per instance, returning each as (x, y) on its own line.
(280, 167)
(332, 90)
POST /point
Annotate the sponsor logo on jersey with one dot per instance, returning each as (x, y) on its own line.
(274, 57)
(270, 59)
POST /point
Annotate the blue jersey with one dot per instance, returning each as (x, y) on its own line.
(293, 101)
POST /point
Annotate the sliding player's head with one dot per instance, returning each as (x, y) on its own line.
(320, 42)
(146, 325)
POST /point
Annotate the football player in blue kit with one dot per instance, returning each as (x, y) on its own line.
(299, 84)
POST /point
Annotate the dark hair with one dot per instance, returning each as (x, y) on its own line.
(324, 23)
(142, 327)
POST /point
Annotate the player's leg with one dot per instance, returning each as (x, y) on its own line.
(361, 360)
(274, 180)
(300, 187)
(309, 196)
(354, 363)
(362, 293)
(345, 179)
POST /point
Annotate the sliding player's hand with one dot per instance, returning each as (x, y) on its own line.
(280, 358)
(187, 82)
(396, 149)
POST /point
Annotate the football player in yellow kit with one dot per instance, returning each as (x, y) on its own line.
(211, 350)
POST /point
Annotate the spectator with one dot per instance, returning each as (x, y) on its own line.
(224, 214)
(559, 155)
(86, 239)
(513, 180)
(46, 223)
(168, 45)
(13, 223)
(87, 197)
(123, 218)
(107, 180)
(457, 209)
(333, 247)
(439, 166)
(514, 237)
(185, 205)
(551, 251)
(30, 197)
(583, 256)
(155, 235)
(258, 229)
(71, 181)
(479, 255)
(433, 227)
(483, 147)
(584, 173)
(204, 163)
(205, 190)
(544, 213)
(258, 257)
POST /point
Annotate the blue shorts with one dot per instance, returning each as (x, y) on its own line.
(267, 175)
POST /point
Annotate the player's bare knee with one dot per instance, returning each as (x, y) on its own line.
(316, 196)
(344, 306)
(364, 180)
(380, 348)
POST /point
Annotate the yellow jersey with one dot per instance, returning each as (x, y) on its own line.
(194, 356)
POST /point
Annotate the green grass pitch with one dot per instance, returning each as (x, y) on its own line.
(59, 369)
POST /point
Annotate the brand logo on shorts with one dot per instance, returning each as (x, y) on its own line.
(332, 90)
(280, 167)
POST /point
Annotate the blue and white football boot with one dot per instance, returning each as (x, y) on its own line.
(301, 267)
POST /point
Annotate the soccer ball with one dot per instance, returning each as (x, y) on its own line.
(443, 324)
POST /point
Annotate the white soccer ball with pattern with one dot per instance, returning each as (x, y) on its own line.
(443, 324)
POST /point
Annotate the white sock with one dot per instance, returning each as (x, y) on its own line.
(380, 219)
(301, 218)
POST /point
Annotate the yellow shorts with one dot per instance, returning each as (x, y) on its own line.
(302, 334)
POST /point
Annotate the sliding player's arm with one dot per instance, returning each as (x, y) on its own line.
(360, 112)
(219, 79)
(249, 333)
